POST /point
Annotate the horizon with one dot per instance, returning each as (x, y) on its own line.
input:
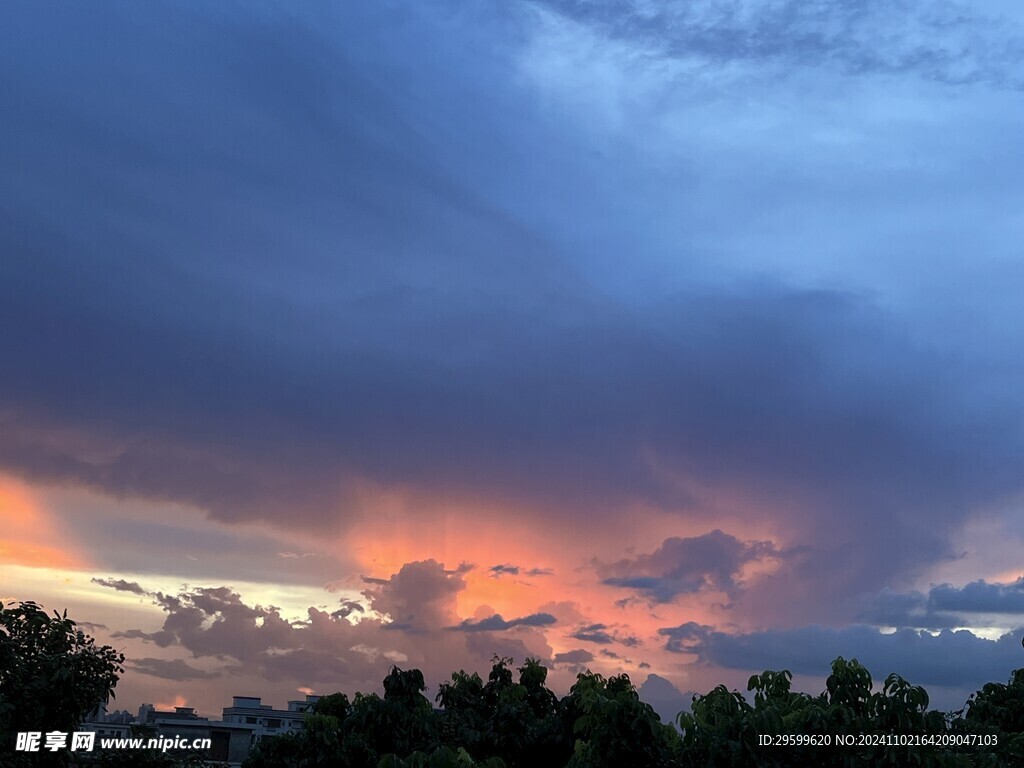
(668, 340)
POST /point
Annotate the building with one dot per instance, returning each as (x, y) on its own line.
(250, 710)
(108, 725)
(243, 724)
(230, 742)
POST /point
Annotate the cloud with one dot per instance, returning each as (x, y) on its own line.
(348, 607)
(951, 43)
(945, 606)
(496, 623)
(686, 566)
(497, 571)
(487, 645)
(176, 669)
(120, 585)
(600, 634)
(666, 699)
(576, 657)
(594, 633)
(90, 626)
(319, 291)
(346, 648)
(978, 597)
(419, 597)
(954, 659)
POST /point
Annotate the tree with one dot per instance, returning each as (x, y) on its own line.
(997, 710)
(612, 727)
(51, 675)
(519, 724)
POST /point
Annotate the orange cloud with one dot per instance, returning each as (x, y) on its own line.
(499, 534)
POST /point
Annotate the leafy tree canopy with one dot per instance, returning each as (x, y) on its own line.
(51, 673)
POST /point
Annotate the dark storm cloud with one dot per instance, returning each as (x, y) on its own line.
(946, 606)
(170, 670)
(348, 607)
(684, 566)
(496, 623)
(120, 585)
(894, 609)
(578, 656)
(958, 659)
(594, 633)
(603, 635)
(978, 597)
(249, 266)
(941, 42)
(497, 571)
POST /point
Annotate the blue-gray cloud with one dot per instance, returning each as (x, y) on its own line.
(952, 43)
(257, 261)
(667, 700)
(602, 634)
(497, 571)
(496, 623)
(506, 569)
(120, 585)
(594, 633)
(176, 669)
(978, 597)
(348, 607)
(958, 659)
(946, 606)
(575, 658)
(685, 566)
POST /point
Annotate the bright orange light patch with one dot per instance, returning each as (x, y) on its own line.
(33, 556)
(179, 701)
(29, 536)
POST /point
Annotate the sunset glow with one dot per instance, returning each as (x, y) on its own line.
(679, 342)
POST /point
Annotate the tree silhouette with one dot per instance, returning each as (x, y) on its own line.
(51, 675)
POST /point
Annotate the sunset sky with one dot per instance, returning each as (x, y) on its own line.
(674, 338)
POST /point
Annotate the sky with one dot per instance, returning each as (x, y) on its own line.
(678, 339)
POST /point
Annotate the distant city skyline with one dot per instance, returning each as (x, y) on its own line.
(673, 339)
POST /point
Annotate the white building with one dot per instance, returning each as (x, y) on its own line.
(250, 710)
(243, 724)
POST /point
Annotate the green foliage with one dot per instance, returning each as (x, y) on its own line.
(336, 705)
(442, 757)
(500, 723)
(139, 758)
(725, 730)
(613, 727)
(290, 750)
(998, 710)
(601, 723)
(51, 675)
(518, 723)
